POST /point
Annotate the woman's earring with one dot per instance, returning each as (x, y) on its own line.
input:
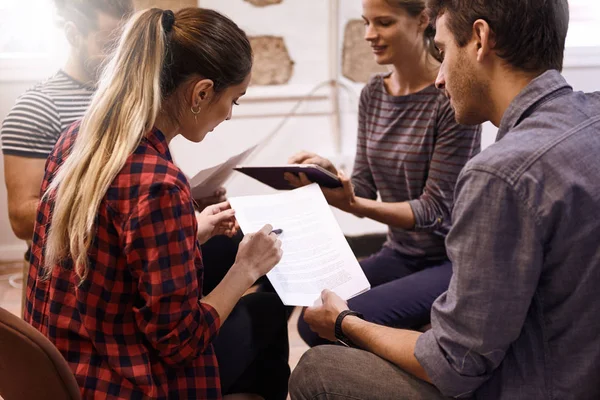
(195, 112)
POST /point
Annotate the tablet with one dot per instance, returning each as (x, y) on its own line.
(273, 175)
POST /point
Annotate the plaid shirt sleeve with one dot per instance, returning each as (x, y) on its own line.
(163, 255)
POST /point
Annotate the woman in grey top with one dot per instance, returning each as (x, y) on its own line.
(409, 151)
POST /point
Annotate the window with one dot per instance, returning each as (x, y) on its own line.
(29, 27)
(584, 25)
(31, 43)
(29, 30)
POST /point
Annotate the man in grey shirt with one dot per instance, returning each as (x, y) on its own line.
(520, 319)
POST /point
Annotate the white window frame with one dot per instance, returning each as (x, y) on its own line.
(582, 57)
(24, 67)
(31, 68)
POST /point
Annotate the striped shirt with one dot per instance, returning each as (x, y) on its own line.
(42, 113)
(410, 148)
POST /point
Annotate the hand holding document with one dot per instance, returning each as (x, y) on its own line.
(316, 255)
(207, 181)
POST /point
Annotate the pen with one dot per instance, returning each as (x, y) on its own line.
(277, 231)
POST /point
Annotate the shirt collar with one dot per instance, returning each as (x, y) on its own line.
(158, 141)
(536, 91)
(76, 82)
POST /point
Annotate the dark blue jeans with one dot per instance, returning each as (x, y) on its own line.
(252, 348)
(402, 291)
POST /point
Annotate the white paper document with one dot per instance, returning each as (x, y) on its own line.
(207, 181)
(316, 255)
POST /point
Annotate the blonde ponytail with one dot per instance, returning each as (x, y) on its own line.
(122, 111)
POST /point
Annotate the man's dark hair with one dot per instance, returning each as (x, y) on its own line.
(83, 13)
(530, 34)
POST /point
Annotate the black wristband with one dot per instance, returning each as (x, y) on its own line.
(339, 334)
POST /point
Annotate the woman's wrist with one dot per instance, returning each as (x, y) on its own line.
(242, 272)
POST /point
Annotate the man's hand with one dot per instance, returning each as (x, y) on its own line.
(219, 196)
(304, 157)
(342, 198)
(321, 318)
(218, 219)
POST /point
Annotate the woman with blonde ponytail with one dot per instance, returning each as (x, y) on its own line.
(116, 265)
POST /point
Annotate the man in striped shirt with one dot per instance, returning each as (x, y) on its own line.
(33, 126)
(42, 113)
(35, 123)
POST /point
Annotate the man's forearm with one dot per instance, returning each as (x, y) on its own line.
(395, 345)
(399, 215)
(22, 218)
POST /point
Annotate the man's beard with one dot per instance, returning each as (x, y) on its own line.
(93, 70)
(469, 94)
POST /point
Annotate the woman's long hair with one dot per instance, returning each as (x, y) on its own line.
(149, 64)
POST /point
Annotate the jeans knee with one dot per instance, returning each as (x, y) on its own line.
(307, 379)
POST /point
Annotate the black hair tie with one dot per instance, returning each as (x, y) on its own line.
(168, 19)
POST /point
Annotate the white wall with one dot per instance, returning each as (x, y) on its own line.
(312, 129)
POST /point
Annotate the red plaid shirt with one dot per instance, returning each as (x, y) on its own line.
(135, 328)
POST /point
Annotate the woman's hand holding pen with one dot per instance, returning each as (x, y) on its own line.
(258, 253)
(218, 219)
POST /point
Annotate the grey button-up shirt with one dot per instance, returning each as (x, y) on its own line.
(521, 318)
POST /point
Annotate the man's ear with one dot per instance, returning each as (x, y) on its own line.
(73, 34)
(484, 39)
(202, 93)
